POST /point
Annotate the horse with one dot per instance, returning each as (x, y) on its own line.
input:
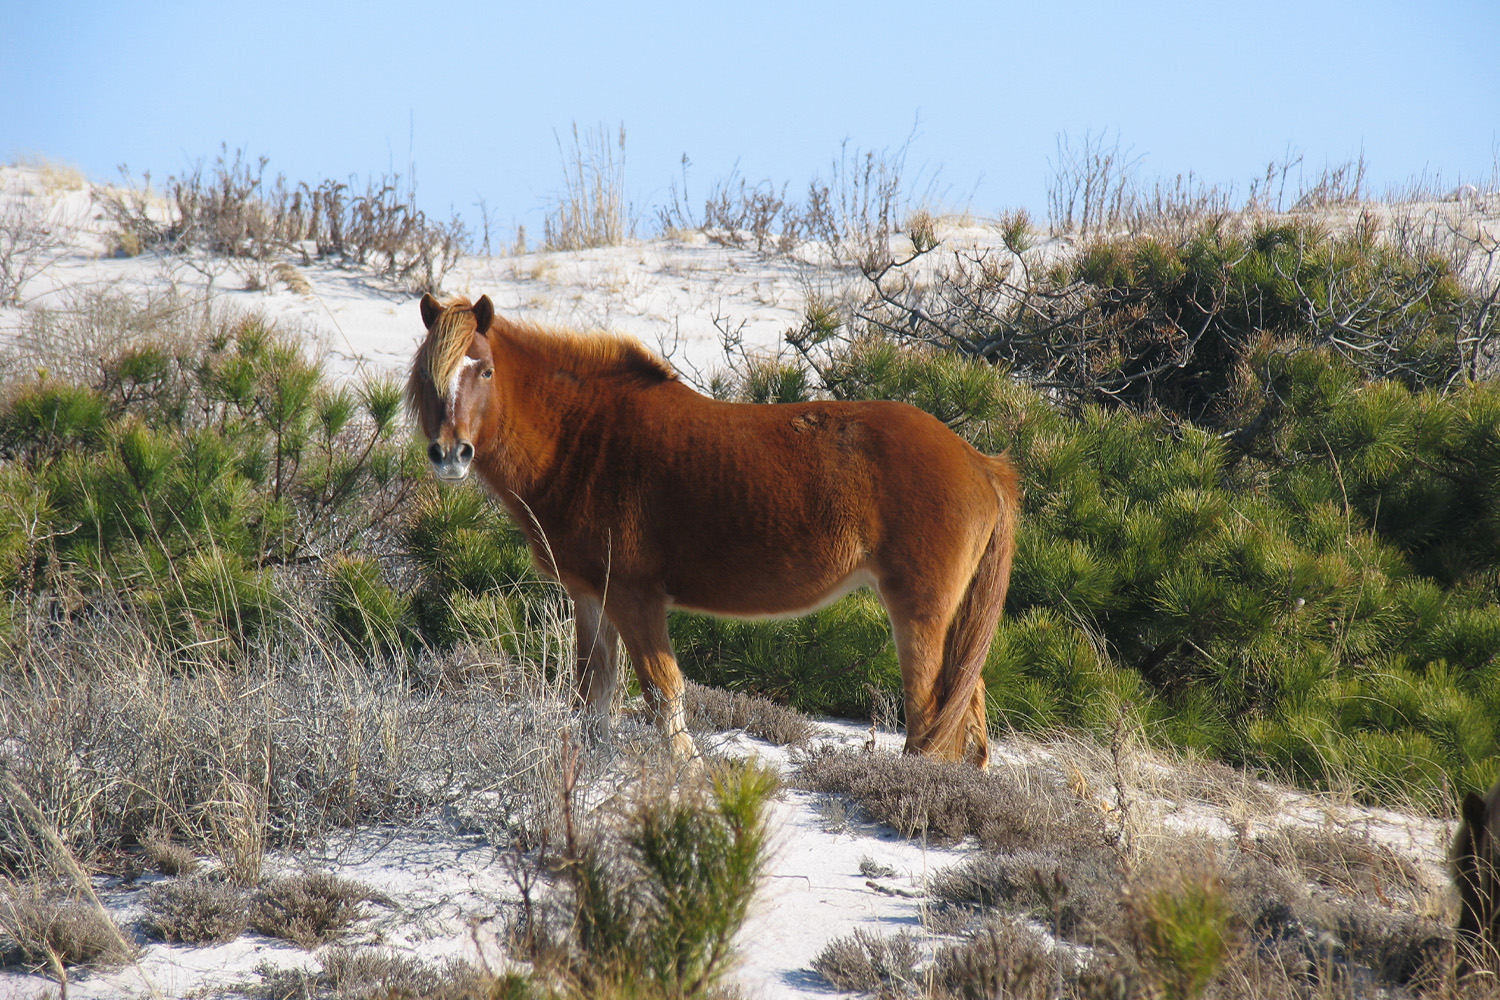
(1475, 858)
(641, 495)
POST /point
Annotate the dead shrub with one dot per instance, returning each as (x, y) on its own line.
(197, 911)
(1072, 890)
(712, 709)
(868, 963)
(378, 974)
(33, 237)
(944, 802)
(235, 211)
(307, 909)
(1000, 959)
(849, 216)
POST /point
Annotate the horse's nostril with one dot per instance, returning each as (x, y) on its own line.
(435, 452)
(465, 451)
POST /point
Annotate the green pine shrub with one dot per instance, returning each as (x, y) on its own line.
(939, 382)
(193, 475)
(821, 663)
(1171, 324)
(367, 611)
(655, 914)
(1304, 581)
(479, 584)
(1182, 931)
(772, 381)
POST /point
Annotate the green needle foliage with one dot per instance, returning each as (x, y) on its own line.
(823, 663)
(1182, 933)
(1282, 553)
(1275, 608)
(190, 478)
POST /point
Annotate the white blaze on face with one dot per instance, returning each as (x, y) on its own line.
(458, 374)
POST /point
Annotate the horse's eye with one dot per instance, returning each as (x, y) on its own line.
(488, 373)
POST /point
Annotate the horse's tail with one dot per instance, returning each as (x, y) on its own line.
(972, 630)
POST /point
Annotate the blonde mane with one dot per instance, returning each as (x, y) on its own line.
(584, 354)
(449, 341)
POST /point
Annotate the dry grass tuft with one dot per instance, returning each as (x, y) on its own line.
(1347, 863)
(592, 211)
(168, 857)
(41, 930)
(113, 741)
(294, 280)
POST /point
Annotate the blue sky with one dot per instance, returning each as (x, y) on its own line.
(471, 94)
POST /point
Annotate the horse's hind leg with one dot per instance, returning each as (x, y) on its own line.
(976, 725)
(919, 646)
(643, 626)
(921, 608)
(598, 669)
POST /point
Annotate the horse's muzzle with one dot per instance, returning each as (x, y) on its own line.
(451, 463)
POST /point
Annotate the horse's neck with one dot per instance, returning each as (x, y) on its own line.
(528, 423)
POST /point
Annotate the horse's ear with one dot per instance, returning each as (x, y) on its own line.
(1474, 812)
(431, 310)
(484, 314)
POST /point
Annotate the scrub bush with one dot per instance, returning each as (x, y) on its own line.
(192, 479)
(656, 906)
(1260, 501)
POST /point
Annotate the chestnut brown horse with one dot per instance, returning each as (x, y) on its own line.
(641, 495)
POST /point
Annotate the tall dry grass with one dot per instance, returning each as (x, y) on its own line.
(592, 210)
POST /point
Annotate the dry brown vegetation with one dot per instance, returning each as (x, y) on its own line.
(592, 210)
(232, 210)
(375, 974)
(197, 911)
(1070, 898)
(308, 908)
(715, 710)
(49, 930)
(846, 218)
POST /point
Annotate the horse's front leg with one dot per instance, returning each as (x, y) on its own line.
(643, 625)
(598, 669)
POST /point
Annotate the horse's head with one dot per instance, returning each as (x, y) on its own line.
(449, 387)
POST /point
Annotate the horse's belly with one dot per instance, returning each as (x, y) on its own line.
(772, 597)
